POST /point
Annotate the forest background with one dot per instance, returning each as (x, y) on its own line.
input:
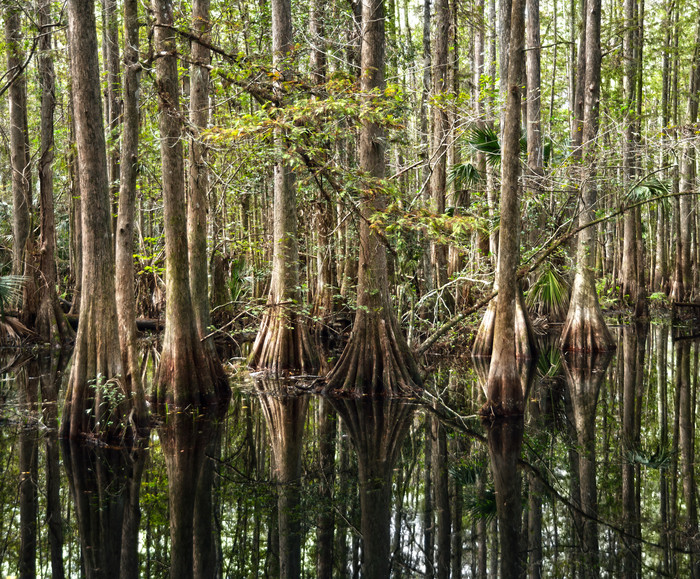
(256, 161)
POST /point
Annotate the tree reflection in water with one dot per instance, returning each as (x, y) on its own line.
(105, 484)
(336, 487)
(191, 443)
(377, 428)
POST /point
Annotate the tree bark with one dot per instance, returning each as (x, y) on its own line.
(188, 375)
(19, 154)
(376, 359)
(97, 400)
(283, 344)
(51, 322)
(585, 328)
(505, 394)
(124, 243)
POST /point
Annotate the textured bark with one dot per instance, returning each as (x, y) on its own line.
(525, 343)
(51, 322)
(124, 242)
(19, 153)
(376, 359)
(110, 52)
(438, 175)
(96, 381)
(585, 328)
(187, 374)
(283, 344)
(323, 300)
(505, 395)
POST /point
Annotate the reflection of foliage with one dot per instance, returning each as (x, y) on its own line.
(660, 459)
(482, 508)
(549, 362)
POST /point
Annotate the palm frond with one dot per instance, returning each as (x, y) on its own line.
(482, 508)
(485, 140)
(464, 175)
(466, 474)
(11, 287)
(646, 190)
(549, 295)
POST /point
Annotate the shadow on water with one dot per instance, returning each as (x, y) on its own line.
(598, 479)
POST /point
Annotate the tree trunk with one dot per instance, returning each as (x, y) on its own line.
(51, 322)
(438, 175)
(187, 375)
(125, 291)
(110, 50)
(96, 400)
(19, 155)
(283, 344)
(585, 328)
(505, 394)
(376, 359)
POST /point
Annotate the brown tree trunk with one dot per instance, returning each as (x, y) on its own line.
(110, 50)
(187, 374)
(505, 394)
(585, 328)
(283, 344)
(438, 175)
(51, 322)
(376, 359)
(124, 243)
(19, 154)
(96, 401)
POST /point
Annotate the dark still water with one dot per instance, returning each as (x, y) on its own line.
(598, 480)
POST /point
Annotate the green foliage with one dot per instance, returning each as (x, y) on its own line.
(482, 508)
(464, 175)
(549, 362)
(485, 140)
(11, 287)
(466, 474)
(660, 459)
(549, 295)
(647, 189)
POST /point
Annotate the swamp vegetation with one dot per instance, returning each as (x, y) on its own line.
(369, 288)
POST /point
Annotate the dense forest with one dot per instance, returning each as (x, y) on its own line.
(275, 232)
(351, 184)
